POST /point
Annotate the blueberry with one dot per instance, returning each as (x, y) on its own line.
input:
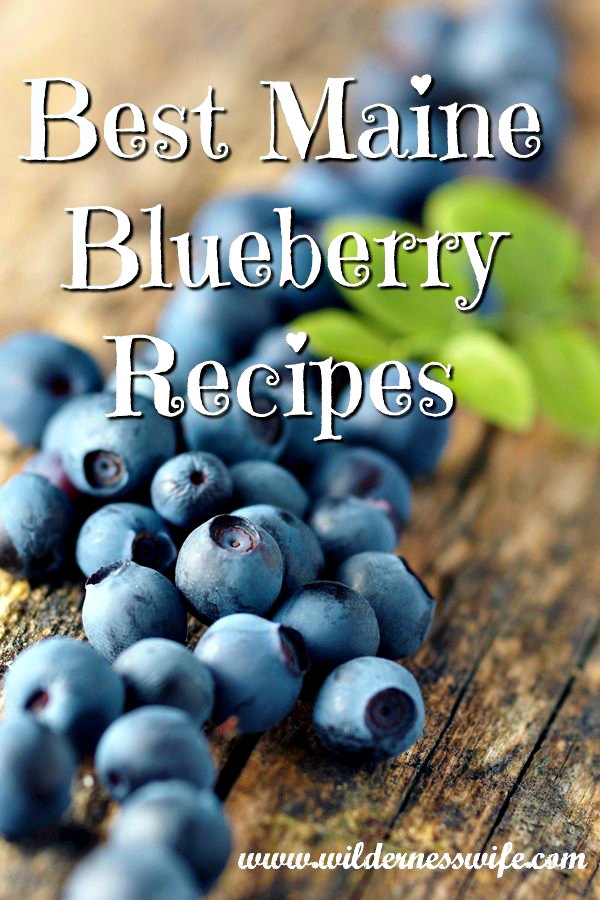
(300, 548)
(301, 451)
(131, 873)
(124, 531)
(190, 488)
(233, 214)
(49, 466)
(414, 440)
(403, 605)
(212, 324)
(272, 349)
(240, 314)
(258, 667)
(369, 708)
(367, 473)
(349, 525)
(40, 372)
(398, 187)
(395, 187)
(318, 190)
(176, 815)
(109, 457)
(198, 327)
(495, 45)
(154, 743)
(554, 116)
(258, 480)
(229, 565)
(125, 603)
(336, 622)
(67, 686)
(157, 672)
(417, 37)
(144, 387)
(235, 435)
(36, 527)
(377, 81)
(36, 769)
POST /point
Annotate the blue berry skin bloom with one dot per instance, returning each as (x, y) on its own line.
(369, 709)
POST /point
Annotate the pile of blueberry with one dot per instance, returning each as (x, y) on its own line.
(285, 552)
(282, 546)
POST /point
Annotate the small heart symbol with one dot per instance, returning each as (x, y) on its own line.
(296, 340)
(421, 83)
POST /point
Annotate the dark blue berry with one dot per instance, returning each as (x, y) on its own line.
(157, 672)
(40, 372)
(302, 554)
(154, 743)
(399, 186)
(125, 531)
(258, 667)
(336, 622)
(36, 527)
(36, 769)
(68, 686)
(545, 96)
(367, 473)
(236, 435)
(369, 708)
(229, 565)
(414, 440)
(272, 349)
(403, 605)
(190, 488)
(125, 603)
(498, 44)
(131, 873)
(318, 191)
(193, 322)
(349, 525)
(218, 325)
(228, 215)
(301, 451)
(261, 481)
(176, 815)
(109, 457)
(142, 386)
(417, 37)
(232, 214)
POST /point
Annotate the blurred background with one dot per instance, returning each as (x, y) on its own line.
(150, 52)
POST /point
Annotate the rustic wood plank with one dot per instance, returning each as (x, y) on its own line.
(506, 645)
(511, 738)
(554, 805)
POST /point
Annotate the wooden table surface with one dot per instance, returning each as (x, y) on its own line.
(506, 534)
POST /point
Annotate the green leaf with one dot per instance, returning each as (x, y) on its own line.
(536, 267)
(491, 379)
(588, 302)
(339, 333)
(399, 310)
(565, 365)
